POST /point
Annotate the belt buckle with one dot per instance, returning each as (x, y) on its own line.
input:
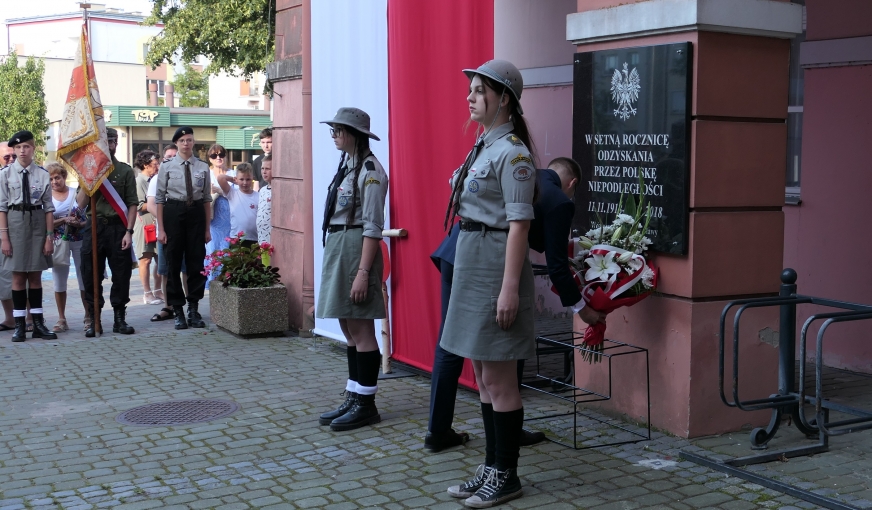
(104, 221)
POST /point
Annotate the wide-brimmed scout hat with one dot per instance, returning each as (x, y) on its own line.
(501, 71)
(352, 117)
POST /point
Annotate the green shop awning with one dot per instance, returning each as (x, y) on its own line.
(162, 116)
(239, 139)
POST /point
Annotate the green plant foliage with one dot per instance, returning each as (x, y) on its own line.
(243, 267)
(22, 100)
(237, 36)
(192, 87)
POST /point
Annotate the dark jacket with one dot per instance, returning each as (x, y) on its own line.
(549, 233)
(258, 173)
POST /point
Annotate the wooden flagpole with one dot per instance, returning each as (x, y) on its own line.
(98, 272)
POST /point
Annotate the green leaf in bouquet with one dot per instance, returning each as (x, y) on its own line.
(630, 207)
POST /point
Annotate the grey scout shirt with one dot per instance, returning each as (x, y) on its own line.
(171, 180)
(372, 190)
(12, 194)
(501, 181)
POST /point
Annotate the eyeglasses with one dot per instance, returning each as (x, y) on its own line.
(336, 131)
(9, 158)
(215, 155)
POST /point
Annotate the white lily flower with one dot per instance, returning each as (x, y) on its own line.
(601, 267)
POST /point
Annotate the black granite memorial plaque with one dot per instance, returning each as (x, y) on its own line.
(631, 114)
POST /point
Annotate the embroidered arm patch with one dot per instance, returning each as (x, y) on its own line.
(520, 158)
(522, 173)
(371, 180)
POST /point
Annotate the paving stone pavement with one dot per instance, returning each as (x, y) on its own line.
(60, 446)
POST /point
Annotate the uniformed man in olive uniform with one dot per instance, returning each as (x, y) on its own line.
(25, 233)
(184, 194)
(113, 243)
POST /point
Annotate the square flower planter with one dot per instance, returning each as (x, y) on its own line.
(249, 312)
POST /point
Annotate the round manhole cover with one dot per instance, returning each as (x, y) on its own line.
(178, 412)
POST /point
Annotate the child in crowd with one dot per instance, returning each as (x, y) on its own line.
(264, 205)
(243, 202)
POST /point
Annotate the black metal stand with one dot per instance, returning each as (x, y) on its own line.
(563, 388)
(789, 401)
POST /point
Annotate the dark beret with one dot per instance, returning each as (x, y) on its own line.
(182, 131)
(20, 137)
(111, 133)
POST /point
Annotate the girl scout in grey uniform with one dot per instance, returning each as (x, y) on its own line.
(25, 215)
(490, 313)
(352, 270)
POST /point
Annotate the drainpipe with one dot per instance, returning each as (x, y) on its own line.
(308, 236)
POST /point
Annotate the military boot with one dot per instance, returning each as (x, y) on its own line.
(362, 413)
(39, 329)
(120, 325)
(328, 417)
(179, 312)
(20, 333)
(194, 318)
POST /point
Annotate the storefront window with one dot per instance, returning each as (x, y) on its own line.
(139, 146)
(794, 117)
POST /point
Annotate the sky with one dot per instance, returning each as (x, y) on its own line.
(21, 9)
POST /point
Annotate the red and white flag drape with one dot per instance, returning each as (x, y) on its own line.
(82, 146)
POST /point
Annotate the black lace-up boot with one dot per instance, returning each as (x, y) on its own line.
(20, 333)
(39, 329)
(362, 413)
(328, 417)
(179, 312)
(120, 325)
(195, 320)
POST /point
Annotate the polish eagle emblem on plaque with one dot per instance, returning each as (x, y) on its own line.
(625, 91)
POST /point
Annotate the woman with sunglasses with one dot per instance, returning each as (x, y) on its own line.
(148, 164)
(351, 274)
(220, 225)
(490, 313)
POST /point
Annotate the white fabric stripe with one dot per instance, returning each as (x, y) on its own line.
(35, 310)
(119, 204)
(19, 313)
(366, 390)
(351, 385)
(340, 78)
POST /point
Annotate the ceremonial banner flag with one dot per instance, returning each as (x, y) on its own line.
(82, 146)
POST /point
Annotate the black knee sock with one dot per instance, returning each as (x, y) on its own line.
(508, 427)
(34, 298)
(19, 301)
(351, 355)
(490, 439)
(367, 370)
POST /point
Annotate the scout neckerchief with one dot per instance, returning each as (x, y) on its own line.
(333, 194)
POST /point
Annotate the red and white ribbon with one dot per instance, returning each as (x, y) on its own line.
(114, 199)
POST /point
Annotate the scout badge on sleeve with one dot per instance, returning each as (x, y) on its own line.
(522, 173)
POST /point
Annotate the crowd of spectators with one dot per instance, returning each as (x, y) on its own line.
(241, 199)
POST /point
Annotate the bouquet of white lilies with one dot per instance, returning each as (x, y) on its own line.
(611, 269)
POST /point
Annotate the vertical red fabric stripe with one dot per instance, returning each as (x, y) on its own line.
(429, 43)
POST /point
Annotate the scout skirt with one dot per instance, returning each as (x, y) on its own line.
(341, 260)
(471, 328)
(27, 236)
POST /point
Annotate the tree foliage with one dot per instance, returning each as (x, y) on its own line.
(22, 99)
(237, 36)
(192, 87)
